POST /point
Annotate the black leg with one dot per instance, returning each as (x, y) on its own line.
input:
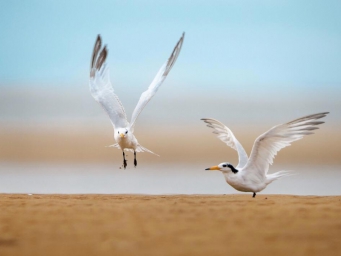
(124, 160)
(254, 194)
(135, 162)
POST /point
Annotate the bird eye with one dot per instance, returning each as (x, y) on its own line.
(224, 165)
(126, 132)
(118, 132)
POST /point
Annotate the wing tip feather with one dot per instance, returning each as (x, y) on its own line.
(309, 117)
(98, 56)
(175, 53)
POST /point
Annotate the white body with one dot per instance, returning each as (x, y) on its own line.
(127, 142)
(247, 180)
(251, 173)
(242, 181)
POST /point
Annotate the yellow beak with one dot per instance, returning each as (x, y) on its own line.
(213, 168)
(122, 135)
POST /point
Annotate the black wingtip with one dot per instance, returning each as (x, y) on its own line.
(309, 117)
(99, 39)
(97, 48)
(102, 57)
(205, 120)
(173, 57)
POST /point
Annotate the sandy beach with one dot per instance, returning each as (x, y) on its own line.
(169, 225)
(75, 74)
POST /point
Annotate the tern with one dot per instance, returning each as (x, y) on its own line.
(251, 174)
(103, 92)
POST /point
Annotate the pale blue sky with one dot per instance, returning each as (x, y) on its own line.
(289, 43)
(233, 49)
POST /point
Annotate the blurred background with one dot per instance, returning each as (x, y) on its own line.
(249, 64)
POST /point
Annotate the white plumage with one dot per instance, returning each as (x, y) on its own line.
(251, 174)
(103, 92)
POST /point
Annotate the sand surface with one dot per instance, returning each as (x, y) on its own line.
(169, 225)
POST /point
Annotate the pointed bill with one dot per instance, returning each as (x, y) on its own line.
(213, 168)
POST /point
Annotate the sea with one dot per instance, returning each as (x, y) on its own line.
(165, 179)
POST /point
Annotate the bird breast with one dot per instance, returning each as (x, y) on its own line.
(129, 141)
(245, 183)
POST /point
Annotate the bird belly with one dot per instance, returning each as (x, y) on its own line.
(245, 184)
(126, 142)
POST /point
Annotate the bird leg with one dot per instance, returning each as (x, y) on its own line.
(135, 162)
(124, 161)
(254, 194)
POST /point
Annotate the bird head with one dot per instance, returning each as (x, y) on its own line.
(223, 167)
(122, 132)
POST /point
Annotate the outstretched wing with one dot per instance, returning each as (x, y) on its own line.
(268, 144)
(226, 136)
(101, 88)
(154, 86)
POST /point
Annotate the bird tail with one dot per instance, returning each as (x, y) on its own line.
(274, 176)
(113, 146)
(139, 148)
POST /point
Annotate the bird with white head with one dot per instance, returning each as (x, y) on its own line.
(103, 92)
(251, 174)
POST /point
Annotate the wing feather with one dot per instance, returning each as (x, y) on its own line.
(267, 145)
(101, 88)
(226, 136)
(159, 78)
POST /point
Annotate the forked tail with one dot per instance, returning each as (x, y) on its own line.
(274, 176)
(139, 148)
